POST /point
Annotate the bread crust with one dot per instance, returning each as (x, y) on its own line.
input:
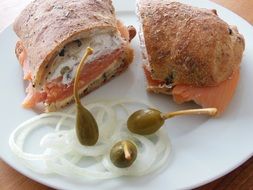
(45, 27)
(193, 46)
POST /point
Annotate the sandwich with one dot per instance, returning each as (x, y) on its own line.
(189, 53)
(53, 36)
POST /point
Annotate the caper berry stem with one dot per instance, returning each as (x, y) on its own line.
(88, 52)
(204, 111)
(126, 151)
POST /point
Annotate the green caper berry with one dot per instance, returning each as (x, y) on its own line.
(123, 154)
(145, 122)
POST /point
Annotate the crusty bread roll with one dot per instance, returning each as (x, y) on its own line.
(53, 37)
(188, 45)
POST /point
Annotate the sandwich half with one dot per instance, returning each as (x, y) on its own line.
(189, 53)
(53, 38)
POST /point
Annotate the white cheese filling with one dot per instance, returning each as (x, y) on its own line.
(70, 56)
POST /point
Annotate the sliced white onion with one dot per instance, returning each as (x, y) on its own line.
(63, 151)
(97, 150)
(163, 148)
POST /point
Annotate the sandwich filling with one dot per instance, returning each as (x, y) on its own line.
(109, 51)
(211, 96)
(68, 59)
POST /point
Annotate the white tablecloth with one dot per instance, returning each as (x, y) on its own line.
(9, 10)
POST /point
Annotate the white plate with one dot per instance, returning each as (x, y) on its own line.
(203, 149)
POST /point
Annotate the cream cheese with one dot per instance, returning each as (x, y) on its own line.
(69, 58)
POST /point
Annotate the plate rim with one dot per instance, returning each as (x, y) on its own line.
(200, 183)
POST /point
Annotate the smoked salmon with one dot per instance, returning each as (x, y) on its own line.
(215, 96)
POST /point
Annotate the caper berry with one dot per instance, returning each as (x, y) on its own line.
(86, 125)
(145, 122)
(123, 154)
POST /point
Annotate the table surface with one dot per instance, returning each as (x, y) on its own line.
(241, 178)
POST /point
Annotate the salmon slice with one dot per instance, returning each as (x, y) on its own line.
(216, 96)
(57, 91)
(33, 97)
